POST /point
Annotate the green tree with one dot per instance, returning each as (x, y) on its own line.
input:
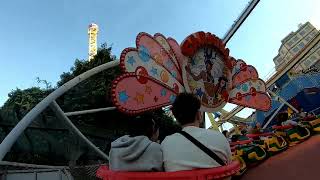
(50, 132)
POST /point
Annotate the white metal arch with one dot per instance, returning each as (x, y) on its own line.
(9, 140)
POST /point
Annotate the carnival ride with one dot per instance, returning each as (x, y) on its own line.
(160, 69)
(93, 33)
(270, 81)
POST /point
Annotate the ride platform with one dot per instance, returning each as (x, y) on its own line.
(298, 162)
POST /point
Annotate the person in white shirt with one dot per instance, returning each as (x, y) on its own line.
(179, 153)
(289, 122)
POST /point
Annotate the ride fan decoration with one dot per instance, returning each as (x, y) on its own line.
(158, 69)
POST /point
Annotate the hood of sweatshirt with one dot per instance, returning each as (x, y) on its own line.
(130, 148)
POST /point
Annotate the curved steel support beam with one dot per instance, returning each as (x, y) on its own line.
(243, 16)
(273, 116)
(74, 113)
(60, 114)
(283, 101)
(14, 134)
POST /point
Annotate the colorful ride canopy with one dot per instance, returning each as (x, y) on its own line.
(158, 69)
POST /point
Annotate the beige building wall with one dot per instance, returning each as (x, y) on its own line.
(294, 43)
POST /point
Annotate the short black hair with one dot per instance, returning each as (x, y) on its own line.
(222, 78)
(185, 108)
(208, 62)
(282, 116)
(225, 132)
(243, 131)
(142, 125)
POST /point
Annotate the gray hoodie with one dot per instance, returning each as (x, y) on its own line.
(135, 154)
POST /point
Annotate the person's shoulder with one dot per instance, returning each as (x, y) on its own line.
(169, 139)
(212, 134)
(155, 147)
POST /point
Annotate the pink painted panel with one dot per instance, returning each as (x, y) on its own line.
(134, 94)
(147, 45)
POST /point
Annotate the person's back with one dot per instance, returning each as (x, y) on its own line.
(179, 153)
(135, 154)
(137, 151)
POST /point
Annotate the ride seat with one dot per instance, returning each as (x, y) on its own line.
(198, 174)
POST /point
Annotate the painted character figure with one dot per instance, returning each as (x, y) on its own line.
(211, 90)
(221, 88)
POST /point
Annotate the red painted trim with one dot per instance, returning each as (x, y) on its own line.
(174, 53)
(191, 44)
(212, 173)
(240, 60)
(241, 82)
(242, 104)
(123, 56)
(282, 127)
(259, 135)
(241, 142)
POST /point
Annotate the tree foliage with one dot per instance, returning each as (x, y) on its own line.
(102, 127)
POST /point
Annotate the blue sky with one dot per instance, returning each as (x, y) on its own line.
(42, 38)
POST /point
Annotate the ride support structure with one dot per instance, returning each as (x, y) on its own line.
(93, 34)
(14, 134)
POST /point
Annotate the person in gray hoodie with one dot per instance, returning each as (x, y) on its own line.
(138, 151)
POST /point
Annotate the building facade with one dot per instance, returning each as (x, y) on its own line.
(293, 43)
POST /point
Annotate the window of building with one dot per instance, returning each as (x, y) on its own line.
(308, 38)
(313, 33)
(295, 38)
(276, 60)
(290, 43)
(307, 62)
(307, 28)
(303, 32)
(318, 52)
(301, 45)
(296, 49)
(279, 60)
(313, 57)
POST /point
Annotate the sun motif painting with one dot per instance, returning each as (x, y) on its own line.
(207, 71)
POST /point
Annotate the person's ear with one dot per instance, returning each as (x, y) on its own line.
(199, 117)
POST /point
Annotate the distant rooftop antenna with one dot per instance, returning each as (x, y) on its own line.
(93, 33)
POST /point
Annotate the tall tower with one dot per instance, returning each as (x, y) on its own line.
(93, 33)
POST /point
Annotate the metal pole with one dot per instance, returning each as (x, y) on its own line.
(273, 115)
(8, 141)
(243, 16)
(25, 165)
(60, 114)
(283, 101)
(89, 111)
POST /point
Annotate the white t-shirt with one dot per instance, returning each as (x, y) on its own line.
(181, 154)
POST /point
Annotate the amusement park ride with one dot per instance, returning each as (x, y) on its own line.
(158, 69)
(93, 31)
